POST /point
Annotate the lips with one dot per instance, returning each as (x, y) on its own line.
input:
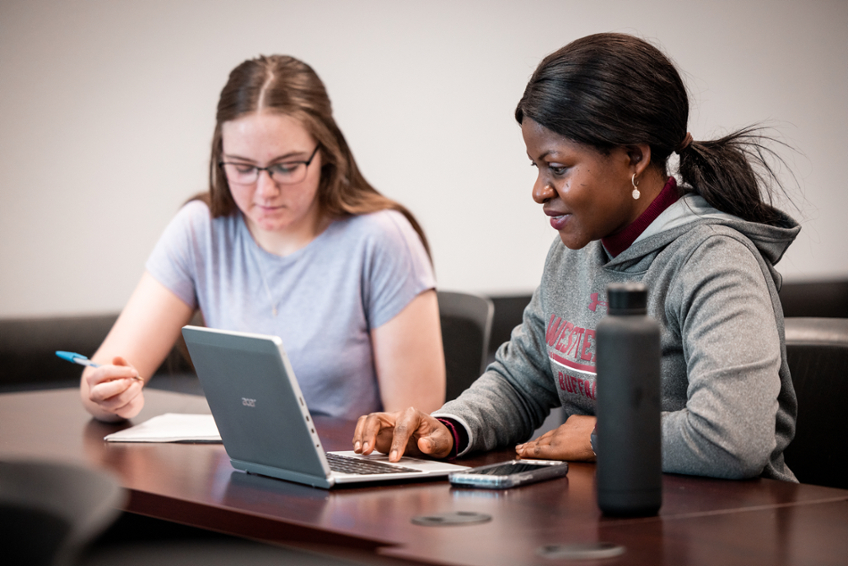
(558, 219)
(269, 209)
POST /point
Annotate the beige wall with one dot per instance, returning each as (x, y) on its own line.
(107, 107)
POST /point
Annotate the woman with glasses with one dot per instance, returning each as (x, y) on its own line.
(292, 241)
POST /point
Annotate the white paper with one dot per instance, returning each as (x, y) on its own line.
(170, 427)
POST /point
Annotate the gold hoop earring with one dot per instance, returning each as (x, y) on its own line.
(636, 194)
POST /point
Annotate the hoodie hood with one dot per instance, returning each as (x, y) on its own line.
(771, 240)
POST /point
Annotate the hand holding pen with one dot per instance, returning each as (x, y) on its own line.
(109, 391)
(83, 361)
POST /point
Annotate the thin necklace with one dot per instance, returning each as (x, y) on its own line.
(264, 281)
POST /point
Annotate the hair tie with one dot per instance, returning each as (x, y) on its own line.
(684, 144)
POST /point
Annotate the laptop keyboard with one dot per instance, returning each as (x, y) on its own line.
(348, 465)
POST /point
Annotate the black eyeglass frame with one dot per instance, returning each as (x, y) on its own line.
(268, 169)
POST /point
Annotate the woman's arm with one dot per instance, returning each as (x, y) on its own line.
(515, 394)
(138, 343)
(721, 306)
(409, 358)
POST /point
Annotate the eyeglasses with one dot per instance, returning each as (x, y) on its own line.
(285, 173)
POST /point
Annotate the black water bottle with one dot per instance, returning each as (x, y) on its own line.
(628, 435)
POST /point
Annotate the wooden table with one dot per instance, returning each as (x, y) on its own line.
(702, 521)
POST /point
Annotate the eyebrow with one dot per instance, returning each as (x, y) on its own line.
(290, 155)
(541, 157)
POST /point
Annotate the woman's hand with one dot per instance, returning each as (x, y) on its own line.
(409, 431)
(570, 441)
(112, 391)
(144, 333)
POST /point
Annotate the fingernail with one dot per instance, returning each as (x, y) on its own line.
(393, 455)
(365, 447)
(356, 446)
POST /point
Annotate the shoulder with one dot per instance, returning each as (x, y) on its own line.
(720, 241)
(387, 246)
(382, 229)
(193, 230)
(710, 255)
(195, 217)
(719, 264)
(195, 209)
(380, 222)
(192, 215)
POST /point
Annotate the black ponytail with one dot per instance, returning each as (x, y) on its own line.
(734, 175)
(610, 90)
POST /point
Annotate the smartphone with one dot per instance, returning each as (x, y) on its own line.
(509, 474)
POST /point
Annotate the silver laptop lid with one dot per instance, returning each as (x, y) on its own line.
(257, 404)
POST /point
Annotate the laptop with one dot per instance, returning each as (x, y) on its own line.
(264, 423)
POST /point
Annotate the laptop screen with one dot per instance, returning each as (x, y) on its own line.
(255, 400)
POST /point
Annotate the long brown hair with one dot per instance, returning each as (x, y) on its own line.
(283, 84)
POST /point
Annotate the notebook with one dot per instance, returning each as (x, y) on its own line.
(263, 420)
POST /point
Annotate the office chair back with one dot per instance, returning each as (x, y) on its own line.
(466, 327)
(50, 511)
(817, 352)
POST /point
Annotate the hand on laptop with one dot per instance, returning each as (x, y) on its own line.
(410, 432)
(113, 391)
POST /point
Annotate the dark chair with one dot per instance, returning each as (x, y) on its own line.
(50, 511)
(27, 347)
(509, 313)
(466, 326)
(826, 298)
(817, 351)
(28, 361)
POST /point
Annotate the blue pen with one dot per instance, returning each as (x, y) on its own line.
(82, 360)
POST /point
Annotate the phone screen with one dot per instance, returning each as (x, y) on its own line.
(506, 469)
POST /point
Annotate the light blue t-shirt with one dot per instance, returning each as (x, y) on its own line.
(355, 276)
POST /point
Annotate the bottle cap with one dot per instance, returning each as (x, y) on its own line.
(627, 298)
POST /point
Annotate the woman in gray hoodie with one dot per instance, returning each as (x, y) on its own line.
(600, 119)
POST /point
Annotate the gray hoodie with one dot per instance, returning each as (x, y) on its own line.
(728, 403)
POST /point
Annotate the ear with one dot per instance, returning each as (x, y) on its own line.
(640, 157)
